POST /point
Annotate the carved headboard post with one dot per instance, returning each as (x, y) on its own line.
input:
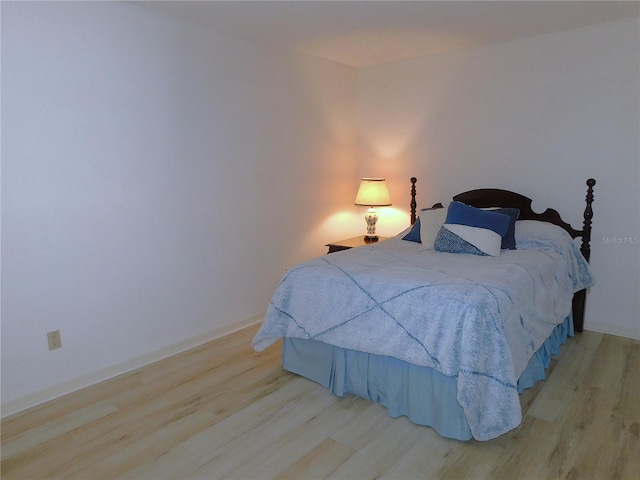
(580, 298)
(585, 248)
(413, 203)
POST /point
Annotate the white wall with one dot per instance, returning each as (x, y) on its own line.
(538, 116)
(157, 179)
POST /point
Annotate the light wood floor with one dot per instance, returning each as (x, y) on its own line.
(223, 411)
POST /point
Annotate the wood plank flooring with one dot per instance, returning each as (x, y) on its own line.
(223, 411)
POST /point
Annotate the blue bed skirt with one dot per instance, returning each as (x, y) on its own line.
(422, 394)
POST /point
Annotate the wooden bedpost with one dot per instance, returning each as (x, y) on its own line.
(580, 298)
(588, 215)
(413, 200)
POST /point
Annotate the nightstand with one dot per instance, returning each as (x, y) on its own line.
(350, 243)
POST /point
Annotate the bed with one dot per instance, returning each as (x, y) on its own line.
(440, 323)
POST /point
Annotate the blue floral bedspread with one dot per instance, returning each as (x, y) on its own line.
(478, 319)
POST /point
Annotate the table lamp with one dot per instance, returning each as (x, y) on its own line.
(373, 192)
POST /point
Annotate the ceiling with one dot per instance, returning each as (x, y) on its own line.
(365, 33)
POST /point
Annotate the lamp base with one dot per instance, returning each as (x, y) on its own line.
(370, 239)
(371, 217)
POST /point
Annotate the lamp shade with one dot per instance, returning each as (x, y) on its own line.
(373, 192)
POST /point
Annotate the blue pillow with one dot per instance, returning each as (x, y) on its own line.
(461, 214)
(509, 238)
(414, 233)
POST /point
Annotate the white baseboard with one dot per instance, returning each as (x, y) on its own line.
(613, 330)
(36, 398)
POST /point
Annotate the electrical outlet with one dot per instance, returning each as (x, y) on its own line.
(54, 340)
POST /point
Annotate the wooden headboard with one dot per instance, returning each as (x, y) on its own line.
(492, 197)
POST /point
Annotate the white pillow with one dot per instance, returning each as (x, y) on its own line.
(431, 220)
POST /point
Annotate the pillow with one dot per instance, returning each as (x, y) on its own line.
(426, 226)
(509, 239)
(403, 233)
(537, 235)
(414, 232)
(431, 219)
(472, 230)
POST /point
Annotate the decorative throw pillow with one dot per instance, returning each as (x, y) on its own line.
(509, 238)
(431, 219)
(472, 230)
(414, 233)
